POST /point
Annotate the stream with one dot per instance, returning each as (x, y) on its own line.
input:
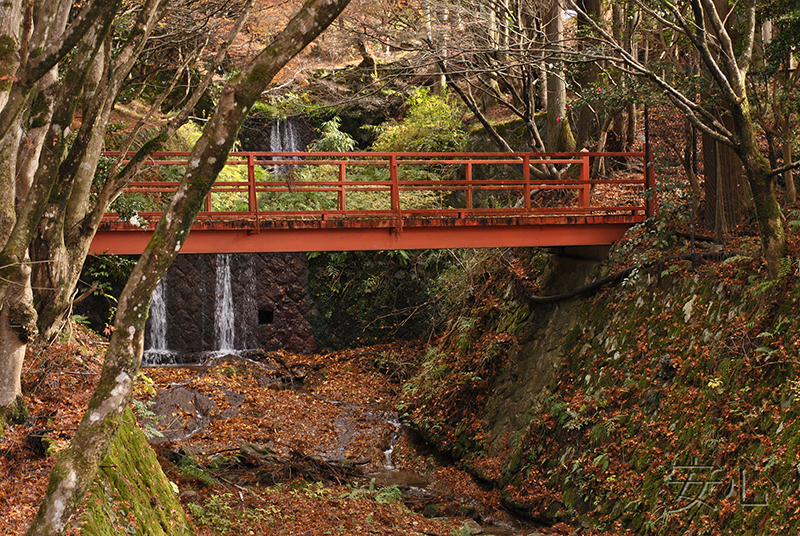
(333, 407)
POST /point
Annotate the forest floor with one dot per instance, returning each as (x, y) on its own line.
(282, 444)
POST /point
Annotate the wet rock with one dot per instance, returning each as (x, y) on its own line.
(472, 527)
(179, 414)
(433, 510)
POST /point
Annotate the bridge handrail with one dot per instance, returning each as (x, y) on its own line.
(395, 185)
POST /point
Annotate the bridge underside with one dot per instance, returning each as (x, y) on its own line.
(379, 234)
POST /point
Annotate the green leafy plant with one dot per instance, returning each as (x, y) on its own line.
(146, 418)
(431, 124)
(217, 514)
(332, 139)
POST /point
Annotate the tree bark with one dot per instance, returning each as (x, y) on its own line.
(59, 260)
(76, 466)
(31, 208)
(788, 176)
(17, 329)
(559, 133)
(762, 186)
(64, 247)
(588, 120)
(724, 187)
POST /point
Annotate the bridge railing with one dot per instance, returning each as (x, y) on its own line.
(266, 185)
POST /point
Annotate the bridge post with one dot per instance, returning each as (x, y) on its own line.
(526, 174)
(395, 187)
(585, 193)
(469, 185)
(342, 198)
(252, 195)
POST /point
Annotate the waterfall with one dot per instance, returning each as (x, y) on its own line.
(223, 312)
(158, 353)
(283, 138)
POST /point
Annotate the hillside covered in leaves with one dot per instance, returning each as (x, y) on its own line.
(665, 403)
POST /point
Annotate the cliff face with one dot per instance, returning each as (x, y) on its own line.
(666, 403)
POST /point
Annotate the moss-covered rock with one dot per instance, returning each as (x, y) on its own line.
(131, 494)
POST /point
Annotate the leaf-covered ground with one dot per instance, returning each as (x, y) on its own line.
(284, 445)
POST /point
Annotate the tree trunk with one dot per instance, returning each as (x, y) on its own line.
(791, 190)
(559, 133)
(10, 19)
(725, 188)
(63, 247)
(76, 466)
(587, 118)
(17, 329)
(762, 186)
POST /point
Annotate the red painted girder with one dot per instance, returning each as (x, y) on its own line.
(342, 235)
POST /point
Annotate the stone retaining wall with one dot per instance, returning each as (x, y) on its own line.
(271, 303)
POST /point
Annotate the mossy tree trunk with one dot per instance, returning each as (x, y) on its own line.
(788, 176)
(762, 185)
(77, 465)
(61, 242)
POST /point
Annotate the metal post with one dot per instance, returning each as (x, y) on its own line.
(342, 202)
(526, 174)
(395, 192)
(647, 182)
(395, 187)
(252, 203)
(469, 185)
(585, 193)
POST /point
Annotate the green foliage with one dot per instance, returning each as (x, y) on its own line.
(333, 140)
(387, 495)
(431, 124)
(793, 221)
(297, 198)
(459, 273)
(368, 297)
(189, 469)
(107, 271)
(785, 17)
(146, 418)
(217, 514)
(279, 107)
(81, 320)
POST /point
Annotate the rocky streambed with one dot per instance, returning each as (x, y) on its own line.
(258, 432)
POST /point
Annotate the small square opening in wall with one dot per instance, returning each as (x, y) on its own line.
(265, 316)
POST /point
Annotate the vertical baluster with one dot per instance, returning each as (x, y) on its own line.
(342, 196)
(469, 185)
(526, 174)
(395, 187)
(585, 193)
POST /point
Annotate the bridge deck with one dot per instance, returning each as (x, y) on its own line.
(387, 201)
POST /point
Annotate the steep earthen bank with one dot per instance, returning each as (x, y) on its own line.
(664, 404)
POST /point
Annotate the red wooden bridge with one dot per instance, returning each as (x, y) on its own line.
(379, 201)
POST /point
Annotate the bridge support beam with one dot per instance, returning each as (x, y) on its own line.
(333, 238)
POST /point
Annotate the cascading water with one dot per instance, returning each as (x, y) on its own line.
(283, 138)
(158, 353)
(223, 312)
